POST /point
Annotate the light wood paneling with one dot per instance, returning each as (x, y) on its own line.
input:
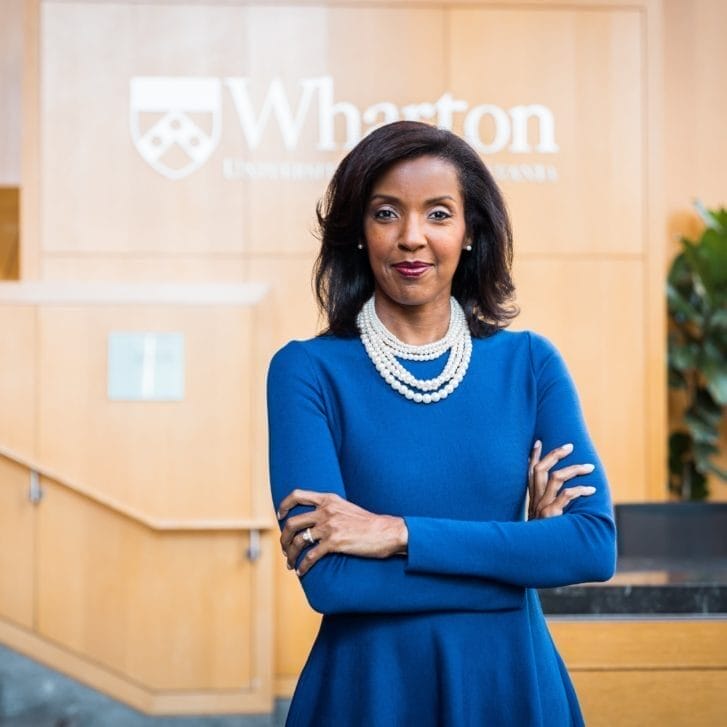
(636, 698)
(281, 213)
(594, 313)
(178, 459)
(104, 196)
(296, 625)
(17, 552)
(586, 66)
(123, 267)
(695, 56)
(641, 644)
(648, 671)
(287, 312)
(258, 699)
(18, 378)
(31, 224)
(409, 69)
(169, 611)
(11, 54)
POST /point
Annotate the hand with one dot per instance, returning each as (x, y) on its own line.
(548, 497)
(337, 526)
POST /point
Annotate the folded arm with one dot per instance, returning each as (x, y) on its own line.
(303, 456)
(577, 547)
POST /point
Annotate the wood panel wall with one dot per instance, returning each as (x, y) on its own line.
(590, 252)
(646, 672)
(132, 570)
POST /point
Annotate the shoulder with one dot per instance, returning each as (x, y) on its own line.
(529, 348)
(524, 342)
(310, 354)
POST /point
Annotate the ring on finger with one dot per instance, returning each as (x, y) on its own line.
(308, 536)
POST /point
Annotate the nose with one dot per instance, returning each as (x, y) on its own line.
(412, 234)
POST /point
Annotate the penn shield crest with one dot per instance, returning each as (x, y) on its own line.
(175, 121)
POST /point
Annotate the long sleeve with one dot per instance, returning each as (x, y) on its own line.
(578, 546)
(303, 455)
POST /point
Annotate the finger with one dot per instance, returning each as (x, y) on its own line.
(297, 545)
(297, 523)
(554, 456)
(532, 461)
(310, 559)
(534, 458)
(541, 469)
(559, 477)
(299, 497)
(573, 493)
(568, 495)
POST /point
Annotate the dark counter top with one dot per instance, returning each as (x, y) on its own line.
(648, 587)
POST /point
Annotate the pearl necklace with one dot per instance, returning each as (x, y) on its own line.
(383, 348)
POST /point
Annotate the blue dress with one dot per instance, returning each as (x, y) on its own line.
(451, 634)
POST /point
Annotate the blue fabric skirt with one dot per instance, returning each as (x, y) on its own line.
(444, 669)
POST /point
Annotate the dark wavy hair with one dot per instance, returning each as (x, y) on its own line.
(343, 279)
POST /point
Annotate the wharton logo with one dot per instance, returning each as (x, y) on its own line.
(176, 123)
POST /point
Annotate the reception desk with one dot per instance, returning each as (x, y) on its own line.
(650, 646)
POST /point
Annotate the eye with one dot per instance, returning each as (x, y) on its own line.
(440, 214)
(384, 214)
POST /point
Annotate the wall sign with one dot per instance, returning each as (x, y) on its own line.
(176, 120)
(145, 366)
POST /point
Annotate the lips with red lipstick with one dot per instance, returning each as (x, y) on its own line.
(412, 268)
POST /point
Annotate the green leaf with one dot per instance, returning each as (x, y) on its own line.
(700, 274)
(718, 319)
(712, 252)
(716, 383)
(679, 305)
(713, 364)
(706, 408)
(676, 379)
(699, 490)
(693, 482)
(680, 449)
(701, 431)
(683, 356)
(704, 450)
(714, 469)
(720, 218)
(715, 219)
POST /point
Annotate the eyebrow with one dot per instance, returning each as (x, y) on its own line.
(433, 200)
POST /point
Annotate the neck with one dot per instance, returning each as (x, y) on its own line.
(414, 325)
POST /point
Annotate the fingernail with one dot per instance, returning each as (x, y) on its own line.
(279, 516)
(297, 572)
(538, 443)
(288, 566)
(591, 490)
(589, 467)
(567, 447)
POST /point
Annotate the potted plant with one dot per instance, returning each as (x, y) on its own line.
(697, 354)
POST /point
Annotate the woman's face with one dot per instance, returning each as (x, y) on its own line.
(415, 232)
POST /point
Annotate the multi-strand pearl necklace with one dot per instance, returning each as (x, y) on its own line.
(384, 348)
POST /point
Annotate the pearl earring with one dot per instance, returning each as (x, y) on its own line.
(468, 248)
(360, 246)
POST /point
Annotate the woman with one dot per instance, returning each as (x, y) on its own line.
(404, 442)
